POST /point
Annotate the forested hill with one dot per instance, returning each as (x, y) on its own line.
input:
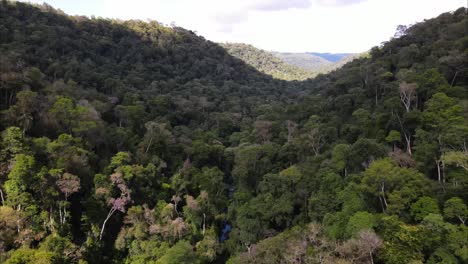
(113, 57)
(267, 62)
(332, 57)
(133, 142)
(305, 61)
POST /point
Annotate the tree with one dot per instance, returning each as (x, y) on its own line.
(393, 138)
(388, 182)
(33, 256)
(180, 253)
(22, 113)
(458, 158)
(313, 136)
(20, 181)
(445, 126)
(63, 249)
(262, 129)
(131, 115)
(403, 242)
(157, 133)
(291, 126)
(211, 180)
(456, 208)
(369, 242)
(360, 221)
(13, 143)
(66, 113)
(364, 152)
(400, 31)
(119, 203)
(12, 224)
(209, 247)
(340, 158)
(360, 248)
(68, 184)
(407, 94)
(68, 153)
(423, 206)
(456, 62)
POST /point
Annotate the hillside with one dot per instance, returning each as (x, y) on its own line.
(317, 62)
(288, 66)
(304, 61)
(332, 57)
(135, 142)
(267, 63)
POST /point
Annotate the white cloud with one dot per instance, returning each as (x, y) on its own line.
(338, 2)
(294, 25)
(280, 4)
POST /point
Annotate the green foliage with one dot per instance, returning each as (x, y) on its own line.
(455, 208)
(442, 256)
(423, 206)
(267, 62)
(13, 143)
(457, 158)
(144, 143)
(393, 137)
(393, 186)
(403, 243)
(20, 181)
(31, 256)
(360, 221)
(180, 253)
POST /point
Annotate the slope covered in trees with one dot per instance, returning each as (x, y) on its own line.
(333, 57)
(132, 142)
(268, 62)
(314, 63)
(289, 66)
(304, 60)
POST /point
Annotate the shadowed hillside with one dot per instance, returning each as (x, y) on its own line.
(268, 63)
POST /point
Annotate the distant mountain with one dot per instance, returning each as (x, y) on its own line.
(332, 57)
(304, 60)
(317, 62)
(275, 65)
(288, 65)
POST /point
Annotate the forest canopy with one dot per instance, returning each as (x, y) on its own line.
(137, 142)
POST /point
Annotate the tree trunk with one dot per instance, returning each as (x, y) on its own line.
(381, 204)
(408, 144)
(439, 172)
(60, 215)
(175, 208)
(376, 97)
(453, 80)
(204, 221)
(51, 220)
(249, 249)
(407, 135)
(1, 196)
(383, 195)
(149, 145)
(462, 220)
(112, 210)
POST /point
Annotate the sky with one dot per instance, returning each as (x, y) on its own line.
(275, 25)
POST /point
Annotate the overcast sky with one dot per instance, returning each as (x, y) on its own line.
(278, 25)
